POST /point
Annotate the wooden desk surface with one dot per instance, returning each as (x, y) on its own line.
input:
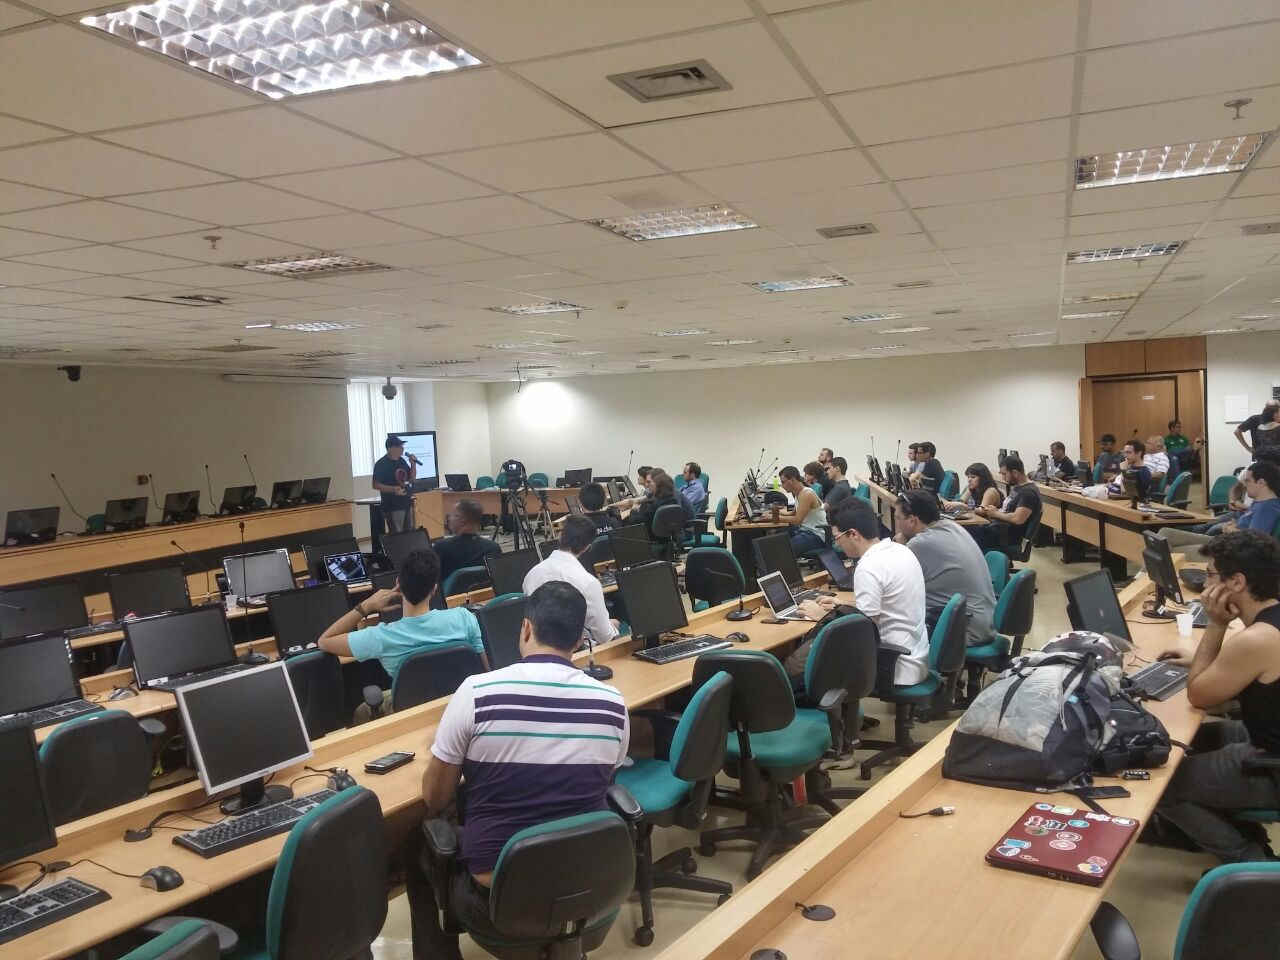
(920, 888)
(1119, 509)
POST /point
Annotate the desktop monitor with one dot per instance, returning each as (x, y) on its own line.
(30, 526)
(631, 487)
(615, 491)
(577, 478)
(457, 482)
(653, 600)
(127, 514)
(315, 490)
(508, 570)
(346, 568)
(385, 580)
(397, 546)
(238, 499)
(298, 617)
(181, 507)
(25, 824)
(774, 553)
(36, 672)
(146, 592)
(1158, 559)
(500, 627)
(629, 551)
(744, 505)
(422, 444)
(1002, 456)
(314, 554)
(241, 728)
(257, 574)
(171, 645)
(547, 547)
(285, 493)
(45, 609)
(1092, 605)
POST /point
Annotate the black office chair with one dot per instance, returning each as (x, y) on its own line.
(674, 788)
(97, 761)
(600, 551)
(712, 575)
(316, 677)
(432, 673)
(668, 530)
(500, 621)
(556, 887)
(770, 497)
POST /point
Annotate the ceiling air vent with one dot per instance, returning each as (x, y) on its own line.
(232, 348)
(848, 230)
(1259, 229)
(913, 284)
(186, 300)
(672, 80)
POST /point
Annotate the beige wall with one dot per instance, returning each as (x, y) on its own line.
(1247, 363)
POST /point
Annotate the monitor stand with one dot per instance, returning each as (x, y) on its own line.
(254, 793)
(1158, 610)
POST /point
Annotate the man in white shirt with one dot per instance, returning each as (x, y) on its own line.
(1156, 460)
(576, 536)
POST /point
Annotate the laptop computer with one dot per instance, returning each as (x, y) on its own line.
(37, 682)
(348, 568)
(1064, 843)
(615, 491)
(185, 646)
(841, 576)
(778, 595)
(457, 482)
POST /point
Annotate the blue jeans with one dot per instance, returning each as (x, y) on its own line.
(804, 540)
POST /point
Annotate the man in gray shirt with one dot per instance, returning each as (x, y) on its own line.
(840, 491)
(950, 559)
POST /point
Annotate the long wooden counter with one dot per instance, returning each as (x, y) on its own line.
(432, 506)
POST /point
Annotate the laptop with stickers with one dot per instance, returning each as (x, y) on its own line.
(1064, 843)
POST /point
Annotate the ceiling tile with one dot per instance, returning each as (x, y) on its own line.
(104, 259)
(1241, 207)
(215, 277)
(232, 246)
(744, 54)
(1131, 21)
(1156, 193)
(14, 273)
(1261, 181)
(1030, 91)
(424, 253)
(1181, 121)
(543, 164)
(251, 143)
(93, 169)
(373, 186)
(1016, 181)
(14, 132)
(519, 31)
(46, 72)
(737, 136)
(14, 243)
(15, 196)
(99, 221)
(455, 111)
(772, 178)
(961, 152)
(1041, 207)
(856, 45)
(1181, 215)
(339, 232)
(823, 208)
(114, 286)
(11, 16)
(483, 214)
(230, 204)
(549, 239)
(621, 198)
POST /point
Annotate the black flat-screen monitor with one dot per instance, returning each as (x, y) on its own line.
(181, 507)
(298, 617)
(46, 609)
(25, 824)
(36, 672)
(615, 491)
(1092, 604)
(238, 499)
(257, 574)
(774, 553)
(285, 493)
(628, 550)
(1158, 560)
(314, 554)
(30, 526)
(457, 482)
(508, 570)
(174, 644)
(397, 546)
(653, 600)
(500, 627)
(127, 514)
(577, 478)
(315, 490)
(146, 592)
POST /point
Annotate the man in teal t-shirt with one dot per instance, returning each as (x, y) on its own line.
(419, 628)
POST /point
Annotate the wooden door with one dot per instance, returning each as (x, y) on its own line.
(1134, 408)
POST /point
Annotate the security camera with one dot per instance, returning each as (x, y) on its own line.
(72, 372)
(389, 389)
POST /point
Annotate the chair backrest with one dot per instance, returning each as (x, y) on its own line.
(1232, 913)
(484, 482)
(679, 481)
(1082, 468)
(722, 513)
(1220, 492)
(1015, 610)
(706, 482)
(539, 480)
(328, 894)
(842, 657)
(187, 940)
(816, 488)
(554, 878)
(432, 673)
(94, 762)
(1029, 537)
(950, 484)
(316, 677)
(949, 639)
(1179, 492)
(698, 745)
(600, 551)
(1097, 472)
(500, 621)
(464, 580)
(762, 698)
(998, 565)
(668, 521)
(713, 574)
(863, 491)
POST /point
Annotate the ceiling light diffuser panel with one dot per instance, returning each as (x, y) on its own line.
(1196, 159)
(1137, 252)
(681, 222)
(804, 283)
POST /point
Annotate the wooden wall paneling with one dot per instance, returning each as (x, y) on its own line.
(1175, 353)
(1088, 434)
(1114, 357)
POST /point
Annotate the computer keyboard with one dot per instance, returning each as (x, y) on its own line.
(683, 649)
(59, 712)
(39, 908)
(802, 595)
(1159, 681)
(107, 626)
(257, 824)
(171, 685)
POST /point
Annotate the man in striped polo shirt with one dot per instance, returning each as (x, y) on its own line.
(535, 741)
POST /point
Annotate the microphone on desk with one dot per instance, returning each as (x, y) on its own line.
(245, 457)
(154, 499)
(209, 482)
(873, 445)
(740, 613)
(897, 457)
(54, 476)
(593, 669)
(242, 533)
(208, 586)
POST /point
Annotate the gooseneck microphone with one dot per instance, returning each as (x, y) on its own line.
(154, 499)
(245, 457)
(209, 482)
(208, 587)
(740, 613)
(630, 457)
(760, 462)
(897, 457)
(595, 670)
(54, 477)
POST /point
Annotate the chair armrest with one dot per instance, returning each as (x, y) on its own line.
(664, 729)
(623, 803)
(1113, 934)
(1262, 763)
(228, 939)
(151, 726)
(832, 704)
(886, 668)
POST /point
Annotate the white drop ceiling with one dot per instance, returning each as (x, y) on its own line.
(952, 127)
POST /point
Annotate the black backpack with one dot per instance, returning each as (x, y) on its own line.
(1138, 737)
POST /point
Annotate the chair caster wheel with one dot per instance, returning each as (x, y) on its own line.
(722, 899)
(644, 936)
(707, 848)
(689, 866)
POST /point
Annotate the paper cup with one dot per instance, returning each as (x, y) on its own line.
(1184, 624)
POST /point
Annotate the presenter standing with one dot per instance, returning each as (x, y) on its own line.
(392, 475)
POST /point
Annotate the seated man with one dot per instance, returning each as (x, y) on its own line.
(1134, 459)
(950, 561)
(1060, 464)
(840, 490)
(576, 536)
(693, 494)
(1021, 507)
(419, 628)
(1110, 458)
(1244, 582)
(535, 741)
(816, 473)
(1261, 482)
(592, 498)
(1182, 453)
(930, 467)
(466, 548)
(808, 522)
(1156, 460)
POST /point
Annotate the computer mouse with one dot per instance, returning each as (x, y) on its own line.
(339, 779)
(161, 879)
(121, 693)
(253, 658)
(739, 637)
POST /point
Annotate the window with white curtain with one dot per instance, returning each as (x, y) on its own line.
(370, 417)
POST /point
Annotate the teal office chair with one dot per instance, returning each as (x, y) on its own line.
(712, 575)
(679, 481)
(97, 761)
(946, 659)
(998, 564)
(1014, 615)
(722, 517)
(484, 483)
(706, 484)
(427, 675)
(864, 491)
(316, 678)
(816, 488)
(1097, 472)
(674, 788)
(1156, 494)
(1231, 913)
(1220, 493)
(465, 580)
(1178, 493)
(189, 939)
(539, 480)
(950, 485)
(697, 535)
(841, 663)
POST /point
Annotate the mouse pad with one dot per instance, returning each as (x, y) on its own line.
(1064, 843)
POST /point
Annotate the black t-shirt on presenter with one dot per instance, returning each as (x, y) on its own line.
(384, 471)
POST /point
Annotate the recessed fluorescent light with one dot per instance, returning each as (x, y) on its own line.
(680, 222)
(681, 332)
(518, 345)
(1195, 159)
(913, 284)
(543, 306)
(1095, 315)
(782, 350)
(887, 346)
(316, 326)
(282, 48)
(1034, 333)
(1101, 297)
(732, 342)
(586, 353)
(302, 268)
(1225, 330)
(806, 283)
(1124, 253)
(258, 326)
(872, 317)
(1255, 317)
(905, 330)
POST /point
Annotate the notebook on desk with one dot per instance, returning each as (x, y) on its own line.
(1064, 843)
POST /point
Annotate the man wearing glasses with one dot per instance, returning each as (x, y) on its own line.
(1243, 581)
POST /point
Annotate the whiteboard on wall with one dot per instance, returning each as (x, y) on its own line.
(1235, 407)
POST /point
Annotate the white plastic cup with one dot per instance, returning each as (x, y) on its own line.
(1184, 624)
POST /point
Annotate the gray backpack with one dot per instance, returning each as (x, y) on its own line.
(1040, 724)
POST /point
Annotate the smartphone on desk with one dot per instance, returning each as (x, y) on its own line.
(389, 762)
